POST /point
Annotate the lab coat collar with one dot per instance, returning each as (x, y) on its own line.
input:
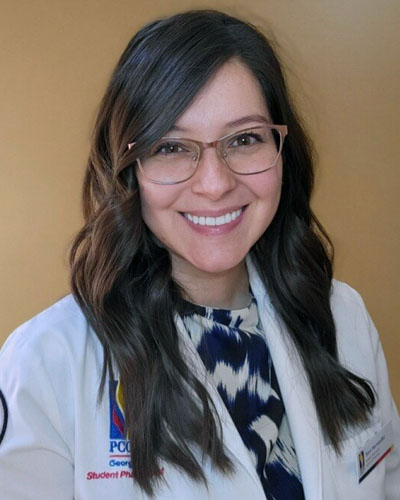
(295, 389)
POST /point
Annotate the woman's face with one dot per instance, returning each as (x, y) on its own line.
(232, 94)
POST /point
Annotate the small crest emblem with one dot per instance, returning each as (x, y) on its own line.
(117, 421)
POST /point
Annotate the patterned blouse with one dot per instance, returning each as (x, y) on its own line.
(234, 351)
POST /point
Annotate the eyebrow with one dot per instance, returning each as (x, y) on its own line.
(233, 123)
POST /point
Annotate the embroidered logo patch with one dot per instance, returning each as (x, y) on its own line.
(120, 446)
(3, 416)
(117, 421)
(119, 452)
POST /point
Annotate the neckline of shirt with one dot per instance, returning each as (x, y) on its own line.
(243, 318)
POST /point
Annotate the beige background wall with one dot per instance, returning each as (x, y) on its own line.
(343, 66)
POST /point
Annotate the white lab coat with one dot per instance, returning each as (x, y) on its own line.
(58, 444)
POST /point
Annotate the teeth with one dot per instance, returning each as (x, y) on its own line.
(213, 221)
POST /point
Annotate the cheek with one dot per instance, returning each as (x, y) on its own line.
(156, 201)
(267, 187)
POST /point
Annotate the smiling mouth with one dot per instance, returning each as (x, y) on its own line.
(214, 221)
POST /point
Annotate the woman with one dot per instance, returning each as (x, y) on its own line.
(206, 351)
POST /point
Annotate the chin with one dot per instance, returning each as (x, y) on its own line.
(215, 265)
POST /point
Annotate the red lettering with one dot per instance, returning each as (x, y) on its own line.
(115, 475)
(126, 473)
(102, 475)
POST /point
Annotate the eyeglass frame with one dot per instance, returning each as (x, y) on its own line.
(282, 129)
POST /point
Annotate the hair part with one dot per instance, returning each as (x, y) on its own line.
(122, 279)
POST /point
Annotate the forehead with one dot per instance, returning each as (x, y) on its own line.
(233, 93)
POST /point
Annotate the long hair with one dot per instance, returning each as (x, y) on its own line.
(122, 279)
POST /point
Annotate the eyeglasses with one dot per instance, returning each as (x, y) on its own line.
(250, 151)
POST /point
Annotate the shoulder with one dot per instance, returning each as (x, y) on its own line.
(344, 297)
(56, 339)
(357, 338)
(348, 306)
(61, 323)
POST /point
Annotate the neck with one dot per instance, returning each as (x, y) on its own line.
(225, 290)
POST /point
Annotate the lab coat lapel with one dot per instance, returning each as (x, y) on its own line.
(231, 436)
(295, 391)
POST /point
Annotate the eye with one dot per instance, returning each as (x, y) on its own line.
(245, 139)
(168, 148)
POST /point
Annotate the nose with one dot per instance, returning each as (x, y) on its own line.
(213, 178)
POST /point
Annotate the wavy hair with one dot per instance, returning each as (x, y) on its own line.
(122, 279)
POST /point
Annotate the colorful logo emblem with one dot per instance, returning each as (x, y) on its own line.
(117, 421)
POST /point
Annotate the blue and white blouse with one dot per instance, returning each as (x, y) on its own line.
(234, 351)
